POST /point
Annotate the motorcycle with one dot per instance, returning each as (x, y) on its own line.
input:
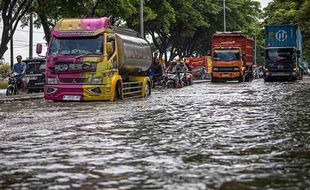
(173, 81)
(14, 85)
(188, 78)
(178, 80)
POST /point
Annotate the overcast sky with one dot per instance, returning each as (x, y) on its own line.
(263, 3)
(21, 38)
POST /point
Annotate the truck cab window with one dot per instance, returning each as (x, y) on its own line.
(110, 46)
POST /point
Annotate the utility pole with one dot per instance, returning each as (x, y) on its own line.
(30, 36)
(141, 19)
(255, 36)
(255, 45)
(11, 47)
(224, 10)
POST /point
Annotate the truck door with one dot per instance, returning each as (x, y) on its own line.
(111, 51)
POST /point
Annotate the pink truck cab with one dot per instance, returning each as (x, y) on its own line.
(89, 60)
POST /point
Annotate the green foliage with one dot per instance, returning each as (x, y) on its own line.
(184, 27)
(11, 13)
(304, 22)
(291, 12)
(4, 70)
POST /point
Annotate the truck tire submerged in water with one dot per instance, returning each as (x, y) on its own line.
(118, 91)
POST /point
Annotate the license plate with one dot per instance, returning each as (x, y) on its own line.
(32, 78)
(226, 75)
(72, 98)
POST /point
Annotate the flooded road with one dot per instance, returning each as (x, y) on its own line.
(206, 136)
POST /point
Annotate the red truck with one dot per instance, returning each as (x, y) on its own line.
(232, 57)
(201, 66)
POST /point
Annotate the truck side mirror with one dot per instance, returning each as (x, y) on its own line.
(39, 48)
(209, 53)
(109, 48)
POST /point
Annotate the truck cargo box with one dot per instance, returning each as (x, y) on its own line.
(234, 39)
(287, 36)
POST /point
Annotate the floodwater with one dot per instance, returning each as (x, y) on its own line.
(206, 136)
(2, 91)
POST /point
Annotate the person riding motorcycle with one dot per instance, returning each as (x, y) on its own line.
(180, 69)
(20, 69)
(156, 72)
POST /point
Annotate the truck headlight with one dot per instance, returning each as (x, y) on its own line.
(97, 80)
(215, 69)
(236, 69)
(52, 81)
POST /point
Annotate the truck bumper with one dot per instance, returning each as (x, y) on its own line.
(226, 75)
(281, 74)
(77, 92)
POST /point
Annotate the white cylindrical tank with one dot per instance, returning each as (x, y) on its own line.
(134, 54)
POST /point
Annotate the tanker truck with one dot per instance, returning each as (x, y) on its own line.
(90, 60)
(283, 53)
(232, 57)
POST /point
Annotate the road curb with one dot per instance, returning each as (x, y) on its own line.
(24, 97)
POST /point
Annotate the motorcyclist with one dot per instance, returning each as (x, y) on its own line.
(156, 69)
(170, 67)
(180, 68)
(20, 69)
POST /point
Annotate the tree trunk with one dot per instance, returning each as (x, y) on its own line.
(45, 26)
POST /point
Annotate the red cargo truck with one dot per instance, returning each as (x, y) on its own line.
(199, 66)
(232, 57)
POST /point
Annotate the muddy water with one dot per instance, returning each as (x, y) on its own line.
(206, 136)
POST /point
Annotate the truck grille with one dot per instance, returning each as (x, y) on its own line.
(73, 80)
(280, 68)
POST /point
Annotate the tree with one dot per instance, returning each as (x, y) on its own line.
(303, 17)
(47, 17)
(12, 12)
(4, 70)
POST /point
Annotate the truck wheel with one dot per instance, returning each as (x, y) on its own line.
(249, 77)
(241, 78)
(147, 89)
(214, 80)
(300, 74)
(118, 91)
(266, 79)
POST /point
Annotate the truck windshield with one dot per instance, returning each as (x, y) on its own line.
(226, 55)
(92, 45)
(280, 55)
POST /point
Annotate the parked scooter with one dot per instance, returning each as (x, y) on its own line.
(14, 85)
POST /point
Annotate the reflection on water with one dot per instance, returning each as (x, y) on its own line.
(206, 136)
(2, 92)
